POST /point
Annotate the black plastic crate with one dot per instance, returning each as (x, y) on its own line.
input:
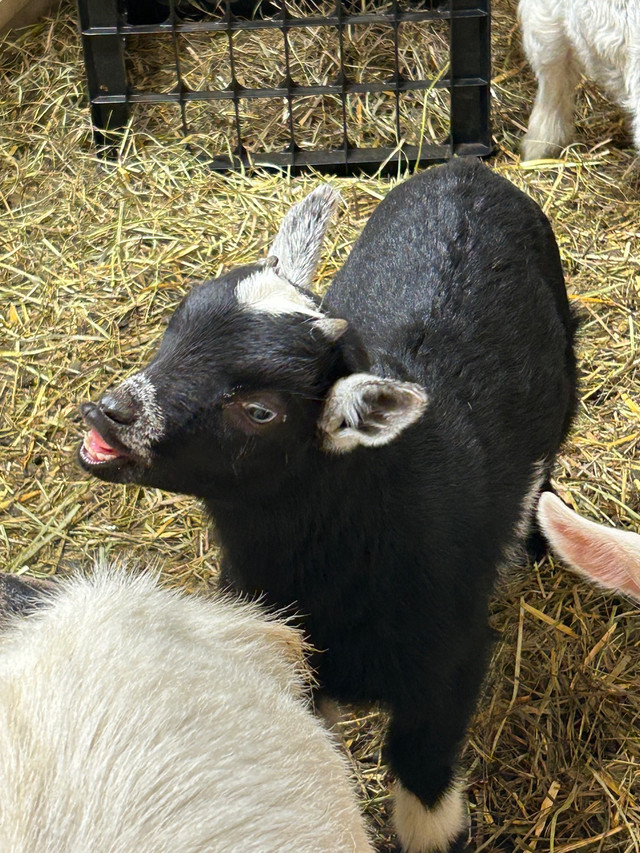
(419, 72)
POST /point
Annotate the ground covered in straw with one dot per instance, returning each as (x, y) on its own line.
(94, 256)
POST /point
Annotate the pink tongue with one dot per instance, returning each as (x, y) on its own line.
(96, 444)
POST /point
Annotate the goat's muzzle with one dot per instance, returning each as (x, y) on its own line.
(102, 445)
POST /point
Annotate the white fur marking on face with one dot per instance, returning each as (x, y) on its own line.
(423, 830)
(268, 292)
(149, 425)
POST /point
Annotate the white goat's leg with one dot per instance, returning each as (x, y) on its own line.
(634, 102)
(551, 123)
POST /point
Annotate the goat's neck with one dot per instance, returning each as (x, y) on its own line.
(315, 512)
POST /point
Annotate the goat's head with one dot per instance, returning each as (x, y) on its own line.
(250, 373)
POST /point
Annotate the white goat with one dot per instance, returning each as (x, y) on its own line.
(564, 37)
(133, 718)
(609, 557)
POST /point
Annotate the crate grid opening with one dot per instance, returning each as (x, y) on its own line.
(341, 86)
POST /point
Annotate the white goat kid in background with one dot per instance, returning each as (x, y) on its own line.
(563, 38)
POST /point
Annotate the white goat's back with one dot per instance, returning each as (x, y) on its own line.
(136, 719)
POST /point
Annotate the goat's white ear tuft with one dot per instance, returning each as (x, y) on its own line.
(331, 328)
(609, 557)
(299, 241)
(368, 410)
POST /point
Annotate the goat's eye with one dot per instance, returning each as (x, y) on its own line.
(259, 414)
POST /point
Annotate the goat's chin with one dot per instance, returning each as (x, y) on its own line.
(121, 469)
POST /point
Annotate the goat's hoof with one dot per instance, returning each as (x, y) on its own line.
(535, 149)
(441, 829)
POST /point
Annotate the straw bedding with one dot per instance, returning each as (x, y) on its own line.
(94, 256)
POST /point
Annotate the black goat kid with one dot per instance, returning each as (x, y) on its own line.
(370, 460)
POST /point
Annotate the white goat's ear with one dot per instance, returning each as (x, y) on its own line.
(369, 410)
(609, 557)
(299, 241)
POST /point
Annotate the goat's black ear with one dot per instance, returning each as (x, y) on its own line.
(368, 410)
(299, 241)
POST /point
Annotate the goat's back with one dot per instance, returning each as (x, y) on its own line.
(456, 242)
(456, 283)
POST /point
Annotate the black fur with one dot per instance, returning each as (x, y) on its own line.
(389, 553)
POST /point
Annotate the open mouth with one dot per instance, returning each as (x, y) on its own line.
(102, 450)
(96, 451)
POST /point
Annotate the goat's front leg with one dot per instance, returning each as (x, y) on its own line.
(430, 811)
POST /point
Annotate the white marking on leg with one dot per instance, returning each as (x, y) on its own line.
(424, 830)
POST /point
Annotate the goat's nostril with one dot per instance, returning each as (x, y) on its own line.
(119, 409)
